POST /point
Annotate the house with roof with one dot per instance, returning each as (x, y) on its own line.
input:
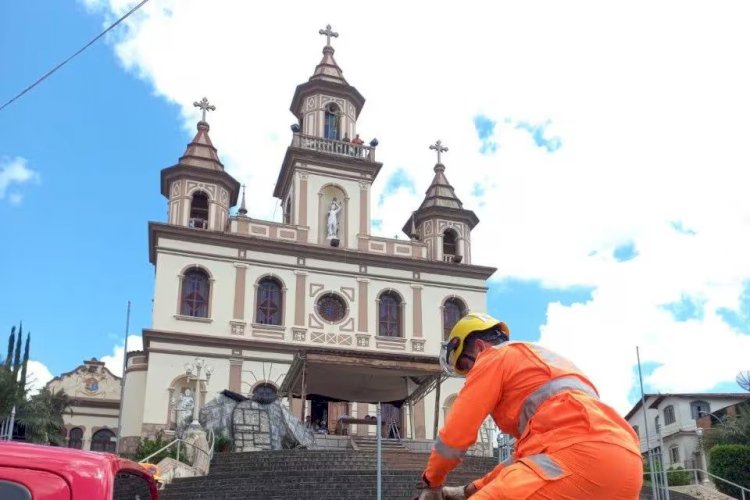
(671, 425)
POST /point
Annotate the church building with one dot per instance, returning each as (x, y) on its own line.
(314, 308)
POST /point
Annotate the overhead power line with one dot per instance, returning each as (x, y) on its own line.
(50, 72)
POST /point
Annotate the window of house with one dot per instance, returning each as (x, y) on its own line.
(195, 290)
(699, 409)
(75, 438)
(450, 239)
(669, 415)
(199, 210)
(674, 454)
(104, 440)
(331, 307)
(269, 303)
(332, 124)
(389, 315)
(288, 211)
(453, 310)
(656, 424)
(637, 431)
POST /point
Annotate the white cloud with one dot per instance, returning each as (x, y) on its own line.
(15, 171)
(37, 376)
(114, 361)
(649, 101)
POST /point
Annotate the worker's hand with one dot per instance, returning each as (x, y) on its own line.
(454, 492)
(430, 494)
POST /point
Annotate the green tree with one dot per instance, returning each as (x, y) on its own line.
(11, 344)
(732, 430)
(25, 362)
(17, 357)
(10, 393)
(42, 417)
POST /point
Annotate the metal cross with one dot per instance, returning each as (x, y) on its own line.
(438, 146)
(205, 106)
(328, 33)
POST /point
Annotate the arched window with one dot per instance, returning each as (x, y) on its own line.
(699, 409)
(453, 310)
(195, 290)
(75, 438)
(669, 415)
(332, 122)
(450, 239)
(199, 210)
(268, 302)
(103, 440)
(389, 315)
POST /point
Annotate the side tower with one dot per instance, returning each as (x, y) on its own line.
(199, 191)
(325, 179)
(441, 221)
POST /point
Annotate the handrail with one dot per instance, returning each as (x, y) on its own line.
(209, 453)
(742, 488)
(334, 146)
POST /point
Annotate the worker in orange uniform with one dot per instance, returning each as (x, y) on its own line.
(570, 445)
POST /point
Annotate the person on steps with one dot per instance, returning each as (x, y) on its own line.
(570, 445)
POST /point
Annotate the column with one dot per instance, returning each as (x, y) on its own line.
(299, 298)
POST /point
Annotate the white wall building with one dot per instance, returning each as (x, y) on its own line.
(91, 422)
(672, 422)
(262, 302)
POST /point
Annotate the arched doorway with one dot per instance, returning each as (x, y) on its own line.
(75, 438)
(104, 440)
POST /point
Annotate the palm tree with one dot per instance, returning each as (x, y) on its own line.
(42, 417)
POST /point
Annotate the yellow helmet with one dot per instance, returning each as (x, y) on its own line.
(453, 347)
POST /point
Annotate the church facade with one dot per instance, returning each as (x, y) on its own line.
(256, 300)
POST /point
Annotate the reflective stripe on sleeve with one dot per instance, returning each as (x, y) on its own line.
(546, 391)
(449, 451)
(547, 464)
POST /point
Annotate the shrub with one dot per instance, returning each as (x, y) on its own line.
(731, 462)
(222, 444)
(148, 446)
(678, 476)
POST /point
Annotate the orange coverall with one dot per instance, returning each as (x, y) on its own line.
(569, 444)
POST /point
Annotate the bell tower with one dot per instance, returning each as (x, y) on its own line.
(198, 189)
(441, 221)
(325, 179)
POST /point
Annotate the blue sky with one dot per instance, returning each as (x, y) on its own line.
(75, 250)
(605, 233)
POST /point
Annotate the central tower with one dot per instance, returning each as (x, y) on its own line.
(325, 179)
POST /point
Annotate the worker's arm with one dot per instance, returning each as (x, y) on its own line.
(475, 401)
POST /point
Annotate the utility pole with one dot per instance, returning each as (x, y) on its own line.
(122, 380)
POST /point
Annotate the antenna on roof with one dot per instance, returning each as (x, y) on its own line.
(743, 379)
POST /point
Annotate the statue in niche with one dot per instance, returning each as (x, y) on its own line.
(184, 410)
(333, 219)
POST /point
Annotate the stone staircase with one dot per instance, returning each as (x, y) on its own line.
(314, 475)
(370, 443)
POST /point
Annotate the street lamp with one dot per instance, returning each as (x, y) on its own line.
(199, 371)
(699, 432)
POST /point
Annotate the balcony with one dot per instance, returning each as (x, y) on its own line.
(330, 146)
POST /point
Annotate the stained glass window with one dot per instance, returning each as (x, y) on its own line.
(389, 314)
(269, 302)
(331, 307)
(453, 310)
(195, 289)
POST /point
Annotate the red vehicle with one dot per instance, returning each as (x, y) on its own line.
(29, 471)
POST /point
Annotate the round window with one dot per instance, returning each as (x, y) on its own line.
(331, 307)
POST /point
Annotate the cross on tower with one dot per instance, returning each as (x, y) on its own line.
(205, 106)
(328, 33)
(438, 146)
